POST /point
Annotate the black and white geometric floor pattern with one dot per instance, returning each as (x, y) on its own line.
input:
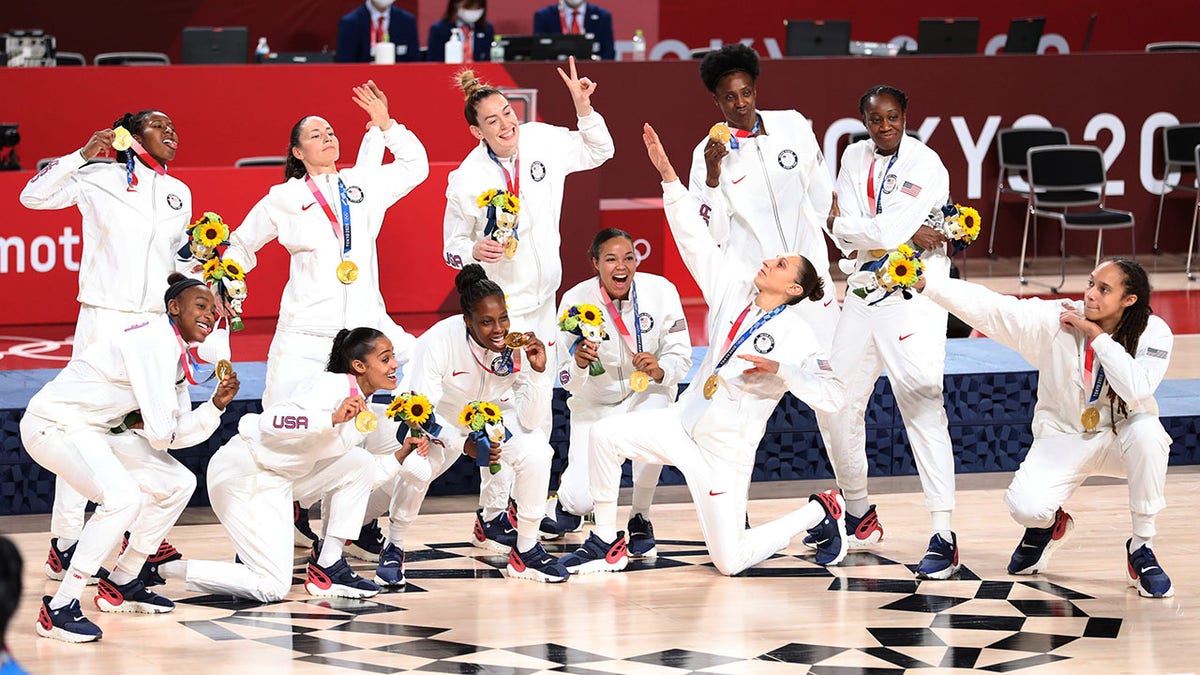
(312, 627)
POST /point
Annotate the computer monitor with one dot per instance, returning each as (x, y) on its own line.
(559, 47)
(1024, 35)
(229, 44)
(518, 47)
(298, 57)
(818, 38)
(948, 36)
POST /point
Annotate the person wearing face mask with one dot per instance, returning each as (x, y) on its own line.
(647, 355)
(135, 216)
(576, 17)
(469, 18)
(377, 21)
(886, 188)
(466, 358)
(532, 161)
(759, 352)
(304, 446)
(105, 424)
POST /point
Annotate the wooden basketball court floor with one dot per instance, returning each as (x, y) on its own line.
(677, 614)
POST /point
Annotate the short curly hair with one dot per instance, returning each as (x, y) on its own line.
(728, 59)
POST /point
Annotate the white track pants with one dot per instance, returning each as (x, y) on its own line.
(909, 339)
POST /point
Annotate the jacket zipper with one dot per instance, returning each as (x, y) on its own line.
(150, 243)
(771, 191)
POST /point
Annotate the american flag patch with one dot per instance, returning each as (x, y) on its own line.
(1156, 353)
(824, 365)
(679, 325)
(910, 189)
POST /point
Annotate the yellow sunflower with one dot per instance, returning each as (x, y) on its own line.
(467, 414)
(906, 251)
(590, 314)
(213, 269)
(512, 203)
(233, 270)
(486, 198)
(418, 409)
(969, 219)
(211, 231)
(490, 411)
(903, 271)
(394, 408)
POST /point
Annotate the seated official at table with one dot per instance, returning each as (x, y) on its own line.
(576, 17)
(373, 22)
(470, 18)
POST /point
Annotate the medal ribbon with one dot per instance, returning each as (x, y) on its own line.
(620, 323)
(353, 382)
(735, 134)
(511, 181)
(874, 199)
(188, 360)
(136, 148)
(515, 359)
(1089, 356)
(333, 221)
(749, 331)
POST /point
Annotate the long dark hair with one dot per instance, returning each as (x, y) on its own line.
(810, 281)
(292, 166)
(133, 123)
(474, 285)
(1135, 317)
(350, 346)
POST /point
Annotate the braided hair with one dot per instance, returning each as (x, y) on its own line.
(883, 90)
(350, 345)
(474, 285)
(475, 92)
(133, 123)
(1135, 317)
(729, 59)
(292, 166)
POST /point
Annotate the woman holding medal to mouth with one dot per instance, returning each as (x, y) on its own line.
(476, 357)
(1099, 363)
(74, 427)
(648, 355)
(517, 241)
(712, 434)
(329, 220)
(135, 217)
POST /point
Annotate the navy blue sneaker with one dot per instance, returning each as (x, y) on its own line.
(1145, 574)
(130, 598)
(166, 553)
(67, 623)
(302, 534)
(641, 538)
(558, 521)
(58, 561)
(597, 555)
(537, 565)
(497, 535)
(390, 572)
(830, 534)
(860, 532)
(941, 559)
(369, 543)
(1032, 555)
(337, 581)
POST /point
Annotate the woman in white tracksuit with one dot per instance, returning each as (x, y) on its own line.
(329, 221)
(885, 191)
(1099, 363)
(647, 333)
(712, 434)
(134, 379)
(462, 359)
(135, 217)
(531, 160)
(304, 446)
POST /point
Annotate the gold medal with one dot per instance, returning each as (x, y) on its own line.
(1090, 419)
(710, 386)
(639, 380)
(223, 369)
(720, 133)
(122, 139)
(365, 421)
(347, 272)
(516, 340)
(510, 248)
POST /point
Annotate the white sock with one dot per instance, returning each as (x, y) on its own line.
(1138, 542)
(70, 589)
(858, 507)
(130, 560)
(606, 521)
(64, 543)
(176, 569)
(331, 551)
(941, 524)
(525, 543)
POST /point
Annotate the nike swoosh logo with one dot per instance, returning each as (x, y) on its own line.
(828, 302)
(549, 344)
(457, 373)
(739, 180)
(715, 494)
(308, 206)
(905, 337)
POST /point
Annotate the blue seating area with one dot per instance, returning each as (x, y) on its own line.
(990, 394)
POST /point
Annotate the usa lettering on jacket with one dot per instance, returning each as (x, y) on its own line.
(290, 422)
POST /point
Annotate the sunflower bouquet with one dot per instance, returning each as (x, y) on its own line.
(485, 426)
(587, 322)
(501, 207)
(206, 234)
(228, 277)
(415, 412)
(896, 270)
(959, 224)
